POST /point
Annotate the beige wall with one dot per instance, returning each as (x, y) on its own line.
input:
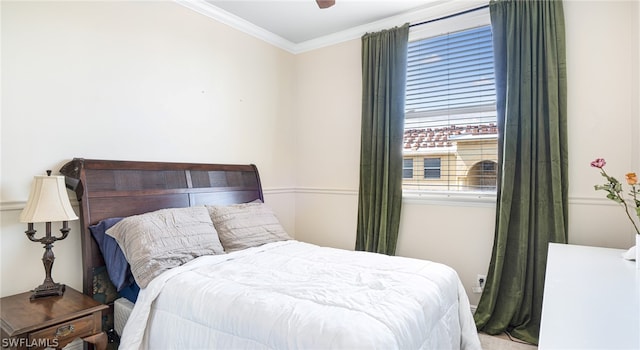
(327, 109)
(136, 81)
(155, 81)
(602, 55)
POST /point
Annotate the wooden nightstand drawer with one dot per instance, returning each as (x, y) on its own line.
(52, 321)
(68, 331)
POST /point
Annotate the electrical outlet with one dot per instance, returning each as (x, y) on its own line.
(481, 280)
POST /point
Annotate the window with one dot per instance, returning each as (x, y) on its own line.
(432, 168)
(482, 176)
(450, 116)
(407, 168)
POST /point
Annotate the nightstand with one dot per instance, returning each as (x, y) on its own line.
(51, 321)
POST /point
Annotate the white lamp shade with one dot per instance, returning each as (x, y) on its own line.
(48, 201)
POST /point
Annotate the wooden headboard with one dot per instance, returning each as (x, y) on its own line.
(109, 188)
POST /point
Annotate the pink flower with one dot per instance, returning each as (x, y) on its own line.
(598, 163)
(615, 192)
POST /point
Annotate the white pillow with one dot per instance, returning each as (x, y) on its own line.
(157, 241)
(246, 225)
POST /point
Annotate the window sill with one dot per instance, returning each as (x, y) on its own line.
(470, 199)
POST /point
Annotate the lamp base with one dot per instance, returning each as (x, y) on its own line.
(48, 290)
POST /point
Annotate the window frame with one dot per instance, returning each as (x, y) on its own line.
(457, 23)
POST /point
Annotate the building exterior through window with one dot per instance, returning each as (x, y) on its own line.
(450, 137)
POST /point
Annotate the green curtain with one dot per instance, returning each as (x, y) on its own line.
(384, 72)
(531, 211)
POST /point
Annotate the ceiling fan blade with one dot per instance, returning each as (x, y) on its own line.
(323, 4)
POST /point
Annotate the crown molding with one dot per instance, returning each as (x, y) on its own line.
(434, 9)
(238, 23)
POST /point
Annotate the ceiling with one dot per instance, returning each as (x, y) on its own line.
(302, 20)
(300, 25)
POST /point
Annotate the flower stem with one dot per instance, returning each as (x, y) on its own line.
(626, 210)
(617, 194)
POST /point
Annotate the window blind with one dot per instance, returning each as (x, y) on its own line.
(450, 115)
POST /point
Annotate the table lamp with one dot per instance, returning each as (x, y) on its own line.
(48, 201)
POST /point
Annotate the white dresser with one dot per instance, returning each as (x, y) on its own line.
(591, 299)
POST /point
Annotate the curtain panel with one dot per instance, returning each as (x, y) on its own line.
(531, 211)
(384, 71)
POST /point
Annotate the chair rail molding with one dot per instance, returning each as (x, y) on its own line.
(576, 200)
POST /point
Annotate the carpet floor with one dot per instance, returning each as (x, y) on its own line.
(502, 342)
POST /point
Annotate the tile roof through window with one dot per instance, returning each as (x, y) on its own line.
(429, 138)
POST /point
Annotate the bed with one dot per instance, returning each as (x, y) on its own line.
(218, 271)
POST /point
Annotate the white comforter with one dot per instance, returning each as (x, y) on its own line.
(293, 295)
